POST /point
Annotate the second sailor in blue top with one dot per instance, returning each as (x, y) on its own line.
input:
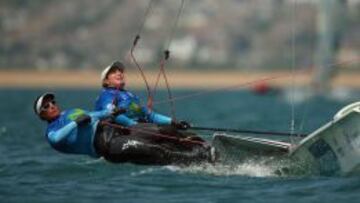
(113, 94)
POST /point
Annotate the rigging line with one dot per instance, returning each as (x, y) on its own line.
(172, 104)
(158, 135)
(135, 42)
(167, 47)
(305, 113)
(148, 9)
(204, 92)
(182, 5)
(307, 103)
(293, 63)
(349, 62)
(165, 59)
(149, 97)
(200, 93)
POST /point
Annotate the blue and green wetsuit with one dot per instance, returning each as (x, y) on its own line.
(64, 135)
(131, 103)
(98, 139)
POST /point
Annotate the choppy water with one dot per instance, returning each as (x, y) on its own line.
(30, 171)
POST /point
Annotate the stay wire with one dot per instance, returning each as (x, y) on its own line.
(172, 103)
(306, 106)
(249, 83)
(200, 93)
(135, 42)
(307, 102)
(293, 64)
(166, 55)
(182, 5)
(165, 58)
(304, 115)
(148, 9)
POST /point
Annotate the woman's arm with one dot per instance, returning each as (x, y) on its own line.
(97, 115)
(124, 120)
(60, 134)
(156, 117)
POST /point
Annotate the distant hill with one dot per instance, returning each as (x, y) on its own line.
(212, 34)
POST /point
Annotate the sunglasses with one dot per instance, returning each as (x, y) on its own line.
(46, 106)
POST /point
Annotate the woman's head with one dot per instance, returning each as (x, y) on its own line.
(113, 76)
(46, 108)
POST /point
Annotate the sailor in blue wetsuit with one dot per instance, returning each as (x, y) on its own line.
(77, 131)
(114, 94)
(71, 131)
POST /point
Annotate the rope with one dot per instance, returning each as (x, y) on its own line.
(158, 135)
(182, 5)
(228, 88)
(172, 104)
(149, 97)
(293, 64)
(136, 40)
(165, 59)
(148, 9)
(307, 102)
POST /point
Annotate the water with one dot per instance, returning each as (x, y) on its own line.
(30, 171)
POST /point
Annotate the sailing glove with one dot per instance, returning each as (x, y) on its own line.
(83, 120)
(117, 111)
(182, 125)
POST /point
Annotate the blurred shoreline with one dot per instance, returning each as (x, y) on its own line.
(177, 79)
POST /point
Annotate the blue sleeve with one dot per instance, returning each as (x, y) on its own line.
(124, 120)
(156, 117)
(159, 119)
(96, 115)
(120, 119)
(62, 133)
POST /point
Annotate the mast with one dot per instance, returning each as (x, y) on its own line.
(330, 23)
